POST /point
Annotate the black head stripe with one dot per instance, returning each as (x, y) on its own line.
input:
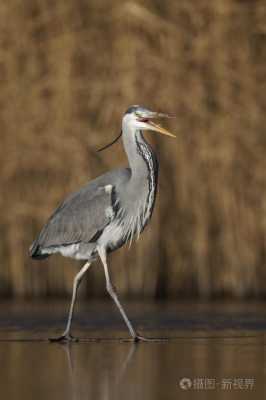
(132, 109)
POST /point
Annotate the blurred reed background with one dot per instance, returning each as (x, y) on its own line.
(68, 71)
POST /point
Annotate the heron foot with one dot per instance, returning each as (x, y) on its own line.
(138, 338)
(65, 338)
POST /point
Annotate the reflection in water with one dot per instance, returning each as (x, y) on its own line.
(69, 360)
(148, 371)
(74, 383)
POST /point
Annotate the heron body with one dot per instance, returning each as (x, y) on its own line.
(109, 211)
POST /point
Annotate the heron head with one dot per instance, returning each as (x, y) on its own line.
(141, 118)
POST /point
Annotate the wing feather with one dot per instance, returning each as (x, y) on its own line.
(83, 215)
(78, 220)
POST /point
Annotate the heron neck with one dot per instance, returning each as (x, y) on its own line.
(141, 157)
(137, 198)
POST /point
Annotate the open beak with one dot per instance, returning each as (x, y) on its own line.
(154, 127)
(158, 128)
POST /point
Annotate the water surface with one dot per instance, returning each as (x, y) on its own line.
(214, 351)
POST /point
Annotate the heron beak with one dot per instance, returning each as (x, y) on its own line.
(157, 128)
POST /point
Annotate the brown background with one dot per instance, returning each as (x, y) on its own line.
(68, 71)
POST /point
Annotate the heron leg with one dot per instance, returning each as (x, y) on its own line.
(66, 336)
(111, 290)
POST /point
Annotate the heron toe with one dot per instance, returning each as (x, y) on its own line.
(140, 338)
(64, 339)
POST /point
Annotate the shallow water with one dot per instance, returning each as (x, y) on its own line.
(219, 349)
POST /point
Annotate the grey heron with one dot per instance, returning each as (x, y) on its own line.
(108, 212)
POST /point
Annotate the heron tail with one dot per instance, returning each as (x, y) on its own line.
(35, 251)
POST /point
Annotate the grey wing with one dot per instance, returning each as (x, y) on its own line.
(83, 215)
